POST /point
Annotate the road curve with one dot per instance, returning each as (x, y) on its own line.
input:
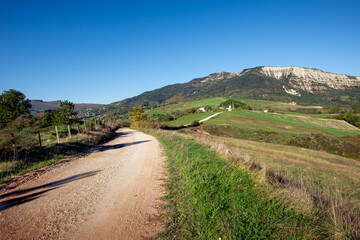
(113, 193)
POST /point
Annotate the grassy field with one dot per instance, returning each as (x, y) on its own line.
(284, 123)
(255, 104)
(211, 102)
(209, 193)
(313, 183)
(302, 178)
(290, 122)
(263, 104)
(295, 129)
(189, 119)
(185, 105)
(209, 198)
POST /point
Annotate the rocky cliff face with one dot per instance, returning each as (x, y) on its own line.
(311, 80)
(218, 76)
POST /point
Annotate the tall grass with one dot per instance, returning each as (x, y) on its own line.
(307, 180)
(209, 198)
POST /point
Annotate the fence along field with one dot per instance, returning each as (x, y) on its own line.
(32, 156)
(28, 142)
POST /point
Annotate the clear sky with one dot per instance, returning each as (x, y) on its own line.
(105, 51)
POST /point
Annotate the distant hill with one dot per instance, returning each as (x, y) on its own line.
(84, 109)
(286, 84)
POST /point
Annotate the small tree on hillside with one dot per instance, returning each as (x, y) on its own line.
(12, 105)
(235, 104)
(66, 114)
(138, 117)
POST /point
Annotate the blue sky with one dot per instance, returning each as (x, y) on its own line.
(105, 51)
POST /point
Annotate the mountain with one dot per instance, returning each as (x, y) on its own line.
(312, 80)
(83, 109)
(287, 84)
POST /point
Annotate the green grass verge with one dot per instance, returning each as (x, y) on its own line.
(303, 179)
(209, 198)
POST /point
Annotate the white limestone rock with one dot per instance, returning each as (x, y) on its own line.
(311, 80)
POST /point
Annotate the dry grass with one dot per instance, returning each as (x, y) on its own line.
(321, 122)
(36, 157)
(309, 181)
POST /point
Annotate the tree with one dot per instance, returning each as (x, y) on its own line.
(356, 108)
(12, 105)
(235, 104)
(66, 114)
(138, 117)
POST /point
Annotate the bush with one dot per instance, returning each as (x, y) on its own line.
(236, 104)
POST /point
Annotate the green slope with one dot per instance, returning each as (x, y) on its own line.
(251, 85)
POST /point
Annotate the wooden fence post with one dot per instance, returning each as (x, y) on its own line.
(39, 138)
(84, 124)
(16, 154)
(78, 128)
(57, 135)
(69, 130)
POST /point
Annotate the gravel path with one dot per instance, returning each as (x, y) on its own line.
(214, 115)
(112, 193)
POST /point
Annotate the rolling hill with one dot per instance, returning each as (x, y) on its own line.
(83, 109)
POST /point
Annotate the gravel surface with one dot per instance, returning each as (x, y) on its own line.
(114, 192)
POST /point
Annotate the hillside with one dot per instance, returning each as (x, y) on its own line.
(83, 109)
(285, 84)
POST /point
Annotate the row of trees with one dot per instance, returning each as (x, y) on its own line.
(14, 105)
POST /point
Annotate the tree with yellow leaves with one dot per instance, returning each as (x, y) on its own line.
(138, 117)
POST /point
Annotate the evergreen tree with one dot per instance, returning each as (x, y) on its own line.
(66, 114)
(12, 105)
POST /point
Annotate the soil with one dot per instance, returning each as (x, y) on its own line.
(112, 192)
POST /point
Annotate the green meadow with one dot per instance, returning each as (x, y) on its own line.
(284, 123)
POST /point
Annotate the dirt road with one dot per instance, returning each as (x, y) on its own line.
(113, 193)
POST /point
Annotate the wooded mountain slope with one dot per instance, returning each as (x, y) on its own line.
(287, 84)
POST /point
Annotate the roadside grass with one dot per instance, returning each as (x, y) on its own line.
(208, 198)
(35, 157)
(302, 179)
(9, 169)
